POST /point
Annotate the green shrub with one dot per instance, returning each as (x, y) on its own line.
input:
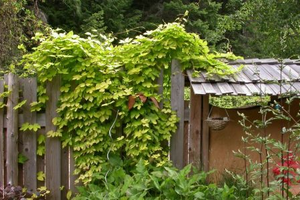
(146, 182)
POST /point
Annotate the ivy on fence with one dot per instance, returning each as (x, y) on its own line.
(97, 80)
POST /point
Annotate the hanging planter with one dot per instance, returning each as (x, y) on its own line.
(217, 123)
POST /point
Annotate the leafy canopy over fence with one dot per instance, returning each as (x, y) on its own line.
(97, 79)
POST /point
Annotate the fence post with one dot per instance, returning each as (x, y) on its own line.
(1, 138)
(29, 90)
(195, 129)
(53, 145)
(186, 133)
(205, 133)
(177, 103)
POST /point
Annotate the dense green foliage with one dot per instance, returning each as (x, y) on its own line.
(254, 28)
(148, 183)
(102, 83)
(228, 101)
(108, 87)
(127, 18)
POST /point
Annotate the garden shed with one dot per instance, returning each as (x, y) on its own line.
(210, 149)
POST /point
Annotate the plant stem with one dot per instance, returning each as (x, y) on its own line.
(246, 170)
(267, 159)
(261, 173)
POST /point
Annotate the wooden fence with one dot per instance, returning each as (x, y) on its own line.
(58, 163)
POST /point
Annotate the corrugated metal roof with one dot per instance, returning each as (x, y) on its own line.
(258, 77)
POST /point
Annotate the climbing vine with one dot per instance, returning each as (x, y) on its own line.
(108, 107)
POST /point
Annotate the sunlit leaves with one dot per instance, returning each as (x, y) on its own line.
(32, 127)
(19, 105)
(41, 176)
(41, 145)
(101, 83)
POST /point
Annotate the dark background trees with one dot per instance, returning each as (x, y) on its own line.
(250, 28)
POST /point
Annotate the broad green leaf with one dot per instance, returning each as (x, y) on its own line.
(41, 176)
(22, 159)
(19, 105)
(32, 127)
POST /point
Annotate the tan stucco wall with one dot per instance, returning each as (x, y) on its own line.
(223, 142)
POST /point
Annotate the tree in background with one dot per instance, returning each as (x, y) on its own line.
(263, 28)
(252, 28)
(19, 20)
(127, 18)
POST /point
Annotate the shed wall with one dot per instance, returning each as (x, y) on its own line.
(224, 142)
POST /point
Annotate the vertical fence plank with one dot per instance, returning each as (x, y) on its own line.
(205, 134)
(41, 159)
(20, 147)
(53, 145)
(195, 129)
(65, 173)
(29, 90)
(177, 103)
(12, 131)
(73, 177)
(1, 138)
(186, 133)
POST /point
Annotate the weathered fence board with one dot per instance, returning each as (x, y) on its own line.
(205, 133)
(29, 88)
(53, 145)
(186, 134)
(40, 119)
(65, 171)
(73, 177)
(177, 103)
(1, 138)
(12, 131)
(195, 129)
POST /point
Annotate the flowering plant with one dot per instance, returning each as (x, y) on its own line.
(287, 171)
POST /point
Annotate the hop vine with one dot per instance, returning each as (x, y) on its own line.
(97, 81)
